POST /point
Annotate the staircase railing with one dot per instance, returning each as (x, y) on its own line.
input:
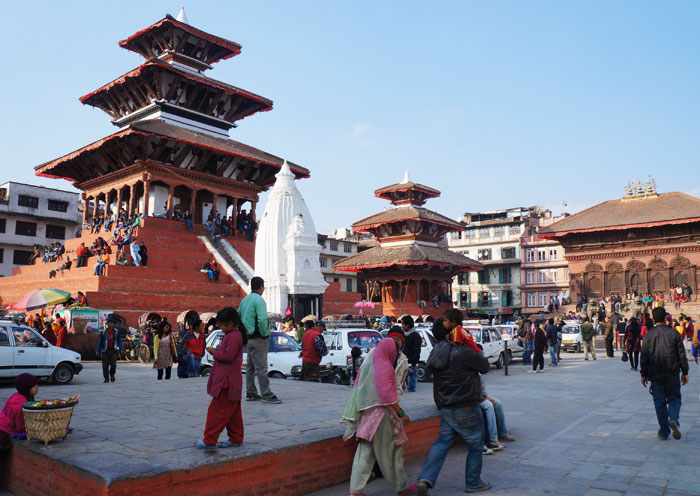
(246, 270)
(228, 264)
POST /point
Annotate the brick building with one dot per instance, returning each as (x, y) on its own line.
(644, 242)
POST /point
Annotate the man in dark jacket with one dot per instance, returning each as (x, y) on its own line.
(457, 391)
(411, 349)
(663, 357)
(588, 338)
(552, 338)
(609, 335)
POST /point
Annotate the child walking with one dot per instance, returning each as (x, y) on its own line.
(225, 384)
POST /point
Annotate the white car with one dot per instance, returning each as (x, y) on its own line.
(509, 332)
(22, 349)
(282, 354)
(490, 340)
(337, 365)
(571, 337)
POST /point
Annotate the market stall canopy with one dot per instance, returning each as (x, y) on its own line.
(41, 298)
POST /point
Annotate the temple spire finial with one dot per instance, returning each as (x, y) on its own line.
(182, 17)
(406, 179)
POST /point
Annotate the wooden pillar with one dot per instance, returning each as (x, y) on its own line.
(119, 200)
(252, 210)
(234, 211)
(193, 200)
(146, 187)
(215, 198)
(171, 192)
(94, 206)
(130, 209)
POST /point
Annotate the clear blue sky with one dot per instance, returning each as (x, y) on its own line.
(496, 104)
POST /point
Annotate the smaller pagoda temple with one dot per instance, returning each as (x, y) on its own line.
(411, 267)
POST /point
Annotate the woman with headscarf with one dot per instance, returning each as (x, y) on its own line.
(11, 416)
(374, 417)
(633, 342)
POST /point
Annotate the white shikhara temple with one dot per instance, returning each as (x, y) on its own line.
(287, 252)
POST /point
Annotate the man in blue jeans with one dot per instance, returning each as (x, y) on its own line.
(411, 349)
(457, 392)
(662, 360)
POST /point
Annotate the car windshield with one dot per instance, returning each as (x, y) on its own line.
(365, 340)
(282, 342)
(475, 332)
(572, 329)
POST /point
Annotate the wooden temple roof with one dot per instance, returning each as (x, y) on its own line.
(168, 34)
(405, 213)
(169, 145)
(414, 255)
(138, 88)
(663, 209)
(390, 192)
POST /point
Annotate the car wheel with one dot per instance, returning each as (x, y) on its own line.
(63, 374)
(144, 354)
(276, 375)
(501, 361)
(336, 378)
(422, 373)
(205, 371)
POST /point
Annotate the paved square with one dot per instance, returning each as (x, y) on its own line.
(583, 428)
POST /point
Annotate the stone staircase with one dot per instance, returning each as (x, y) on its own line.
(231, 261)
(171, 283)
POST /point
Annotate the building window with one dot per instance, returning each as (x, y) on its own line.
(530, 255)
(28, 201)
(334, 246)
(508, 252)
(324, 262)
(543, 299)
(484, 299)
(530, 277)
(531, 299)
(506, 298)
(471, 233)
(504, 276)
(541, 255)
(55, 232)
(499, 230)
(553, 275)
(485, 254)
(336, 279)
(21, 257)
(483, 276)
(465, 300)
(348, 285)
(25, 228)
(3, 223)
(514, 230)
(463, 278)
(58, 205)
(566, 275)
(3, 195)
(552, 253)
(541, 276)
(347, 247)
(484, 232)
(2, 254)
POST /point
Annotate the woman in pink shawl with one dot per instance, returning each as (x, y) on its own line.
(377, 421)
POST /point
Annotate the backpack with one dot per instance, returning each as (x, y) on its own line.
(521, 331)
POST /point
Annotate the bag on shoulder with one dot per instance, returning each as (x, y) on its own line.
(521, 331)
(624, 356)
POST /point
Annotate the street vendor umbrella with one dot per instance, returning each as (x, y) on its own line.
(41, 298)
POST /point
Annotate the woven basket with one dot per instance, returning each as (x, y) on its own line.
(47, 425)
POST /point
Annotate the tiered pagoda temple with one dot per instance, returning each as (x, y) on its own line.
(172, 147)
(411, 266)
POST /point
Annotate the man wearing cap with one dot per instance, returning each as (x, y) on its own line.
(110, 341)
(411, 349)
(313, 349)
